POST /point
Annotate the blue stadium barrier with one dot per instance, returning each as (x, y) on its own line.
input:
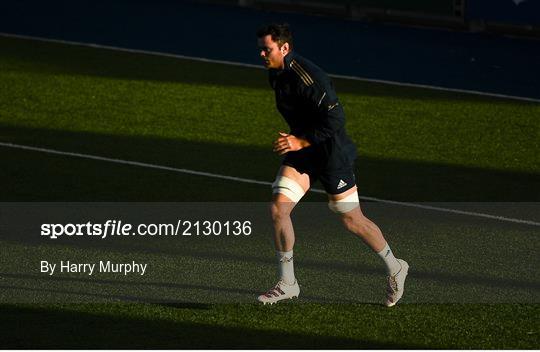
(513, 12)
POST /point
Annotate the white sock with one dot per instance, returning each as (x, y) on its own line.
(286, 266)
(392, 265)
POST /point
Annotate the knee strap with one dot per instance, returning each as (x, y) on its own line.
(288, 187)
(344, 205)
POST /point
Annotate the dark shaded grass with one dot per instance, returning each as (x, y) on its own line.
(63, 178)
(287, 326)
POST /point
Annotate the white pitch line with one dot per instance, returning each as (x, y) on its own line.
(241, 64)
(251, 181)
(133, 163)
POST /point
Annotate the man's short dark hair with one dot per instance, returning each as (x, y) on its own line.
(280, 33)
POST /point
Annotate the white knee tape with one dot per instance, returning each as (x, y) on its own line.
(288, 187)
(344, 205)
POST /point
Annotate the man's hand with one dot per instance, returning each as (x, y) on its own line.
(289, 143)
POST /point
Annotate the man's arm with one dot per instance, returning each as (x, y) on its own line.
(330, 118)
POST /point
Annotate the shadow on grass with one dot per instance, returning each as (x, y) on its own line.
(83, 296)
(35, 176)
(49, 328)
(55, 58)
(457, 278)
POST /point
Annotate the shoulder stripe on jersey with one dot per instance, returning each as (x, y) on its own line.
(303, 74)
(306, 78)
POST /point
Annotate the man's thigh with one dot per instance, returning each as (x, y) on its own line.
(290, 172)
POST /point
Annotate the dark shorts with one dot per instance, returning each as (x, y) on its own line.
(335, 180)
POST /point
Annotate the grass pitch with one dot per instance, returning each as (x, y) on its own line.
(414, 145)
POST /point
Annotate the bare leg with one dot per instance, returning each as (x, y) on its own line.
(281, 209)
(361, 226)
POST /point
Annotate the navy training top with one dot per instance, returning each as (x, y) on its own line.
(306, 98)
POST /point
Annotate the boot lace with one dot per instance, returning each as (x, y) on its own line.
(275, 291)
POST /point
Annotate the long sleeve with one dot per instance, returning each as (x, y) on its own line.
(329, 117)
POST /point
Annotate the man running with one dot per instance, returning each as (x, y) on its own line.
(316, 148)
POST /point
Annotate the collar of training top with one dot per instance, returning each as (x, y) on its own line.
(287, 65)
(287, 59)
